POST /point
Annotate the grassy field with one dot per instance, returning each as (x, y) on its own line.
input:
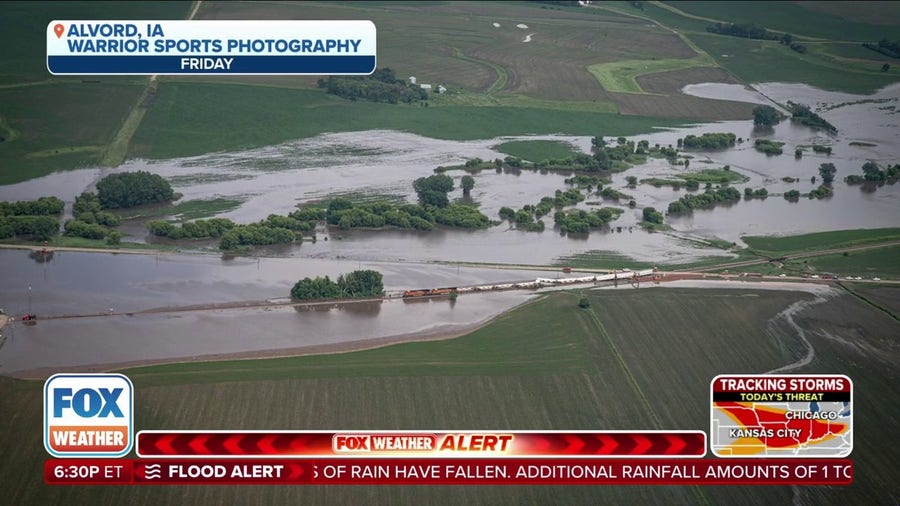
(59, 125)
(762, 61)
(880, 263)
(187, 119)
(777, 245)
(620, 76)
(536, 151)
(796, 18)
(636, 359)
(23, 28)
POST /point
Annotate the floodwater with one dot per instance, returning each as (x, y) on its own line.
(276, 179)
(82, 342)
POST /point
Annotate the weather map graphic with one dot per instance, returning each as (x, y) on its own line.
(781, 416)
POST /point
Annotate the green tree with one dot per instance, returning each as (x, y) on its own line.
(114, 238)
(886, 67)
(584, 303)
(130, 189)
(651, 215)
(364, 283)
(827, 171)
(764, 115)
(467, 183)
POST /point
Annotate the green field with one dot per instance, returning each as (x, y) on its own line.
(23, 28)
(547, 365)
(765, 61)
(795, 18)
(536, 151)
(780, 245)
(620, 76)
(59, 126)
(187, 119)
(881, 263)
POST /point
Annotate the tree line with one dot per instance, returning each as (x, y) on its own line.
(802, 114)
(884, 46)
(708, 141)
(704, 200)
(381, 86)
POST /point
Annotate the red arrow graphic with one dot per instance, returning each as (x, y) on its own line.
(643, 444)
(164, 444)
(609, 445)
(676, 444)
(231, 444)
(198, 444)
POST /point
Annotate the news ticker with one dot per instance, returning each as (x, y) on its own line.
(421, 444)
(442, 471)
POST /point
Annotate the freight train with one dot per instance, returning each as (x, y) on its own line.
(537, 283)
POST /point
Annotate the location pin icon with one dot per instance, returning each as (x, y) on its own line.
(58, 30)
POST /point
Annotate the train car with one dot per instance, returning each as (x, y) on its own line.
(645, 272)
(443, 291)
(545, 281)
(505, 286)
(465, 289)
(606, 277)
(416, 293)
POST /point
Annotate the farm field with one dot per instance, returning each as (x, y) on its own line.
(186, 119)
(786, 16)
(59, 124)
(620, 76)
(778, 245)
(755, 61)
(546, 365)
(880, 263)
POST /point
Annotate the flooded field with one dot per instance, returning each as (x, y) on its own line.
(383, 164)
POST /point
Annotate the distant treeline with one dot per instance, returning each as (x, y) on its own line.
(885, 47)
(751, 31)
(381, 86)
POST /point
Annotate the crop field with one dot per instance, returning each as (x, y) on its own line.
(762, 61)
(187, 119)
(59, 125)
(620, 76)
(871, 263)
(796, 18)
(536, 151)
(777, 245)
(546, 365)
(674, 80)
(23, 27)
(885, 297)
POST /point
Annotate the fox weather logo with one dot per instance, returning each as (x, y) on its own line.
(88, 415)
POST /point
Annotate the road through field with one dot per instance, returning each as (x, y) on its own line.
(118, 147)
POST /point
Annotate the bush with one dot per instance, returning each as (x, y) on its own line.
(584, 303)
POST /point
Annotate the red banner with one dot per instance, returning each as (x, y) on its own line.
(421, 444)
(443, 471)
